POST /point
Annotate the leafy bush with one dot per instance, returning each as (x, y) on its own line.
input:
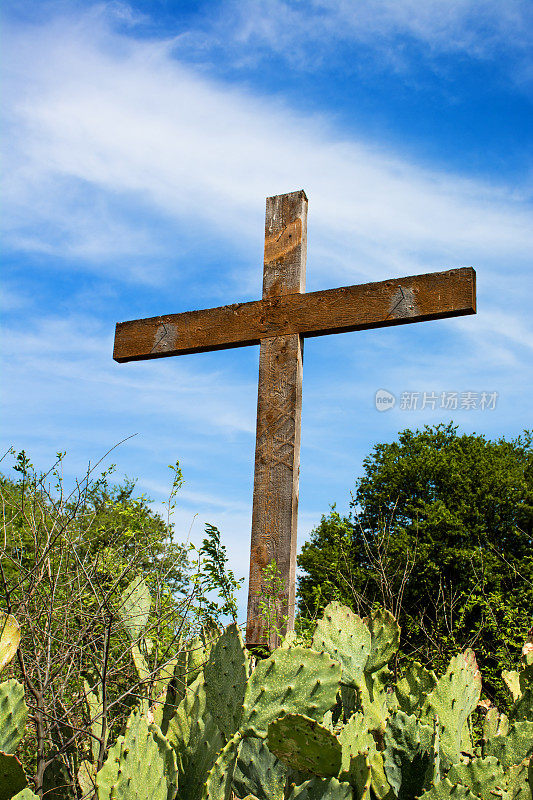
(440, 534)
(67, 564)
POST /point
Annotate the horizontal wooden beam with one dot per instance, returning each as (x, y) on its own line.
(371, 305)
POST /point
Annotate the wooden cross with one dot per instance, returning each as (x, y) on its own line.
(278, 323)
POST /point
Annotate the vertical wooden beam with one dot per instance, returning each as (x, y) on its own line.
(279, 412)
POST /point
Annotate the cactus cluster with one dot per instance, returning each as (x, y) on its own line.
(325, 722)
(13, 713)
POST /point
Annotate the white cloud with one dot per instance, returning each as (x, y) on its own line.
(110, 129)
(479, 27)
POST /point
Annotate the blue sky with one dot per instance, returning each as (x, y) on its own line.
(140, 142)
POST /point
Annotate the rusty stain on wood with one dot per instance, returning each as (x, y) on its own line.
(278, 323)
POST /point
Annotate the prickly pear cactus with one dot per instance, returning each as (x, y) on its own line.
(407, 754)
(494, 724)
(514, 747)
(25, 794)
(413, 688)
(86, 778)
(218, 785)
(12, 777)
(322, 789)
(453, 699)
(294, 680)
(346, 638)
(520, 780)
(134, 768)
(305, 745)
(134, 608)
(360, 776)
(194, 736)
(483, 776)
(9, 638)
(13, 715)
(258, 773)
(226, 673)
(385, 639)
(523, 707)
(446, 790)
(355, 738)
(95, 708)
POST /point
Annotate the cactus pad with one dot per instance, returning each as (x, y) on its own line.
(12, 778)
(322, 789)
(413, 689)
(258, 772)
(193, 734)
(514, 747)
(385, 639)
(226, 673)
(134, 609)
(355, 738)
(345, 637)
(87, 778)
(523, 708)
(446, 790)
(521, 780)
(93, 700)
(296, 680)
(483, 776)
(218, 785)
(305, 745)
(452, 700)
(13, 715)
(494, 724)
(358, 775)
(511, 678)
(9, 638)
(407, 754)
(169, 759)
(25, 794)
(134, 767)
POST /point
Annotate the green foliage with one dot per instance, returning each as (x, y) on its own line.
(440, 533)
(99, 638)
(214, 576)
(272, 603)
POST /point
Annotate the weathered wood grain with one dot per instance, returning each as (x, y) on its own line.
(279, 412)
(279, 322)
(372, 305)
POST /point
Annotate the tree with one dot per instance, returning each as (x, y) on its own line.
(440, 533)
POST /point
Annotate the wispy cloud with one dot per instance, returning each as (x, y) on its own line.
(111, 130)
(477, 26)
